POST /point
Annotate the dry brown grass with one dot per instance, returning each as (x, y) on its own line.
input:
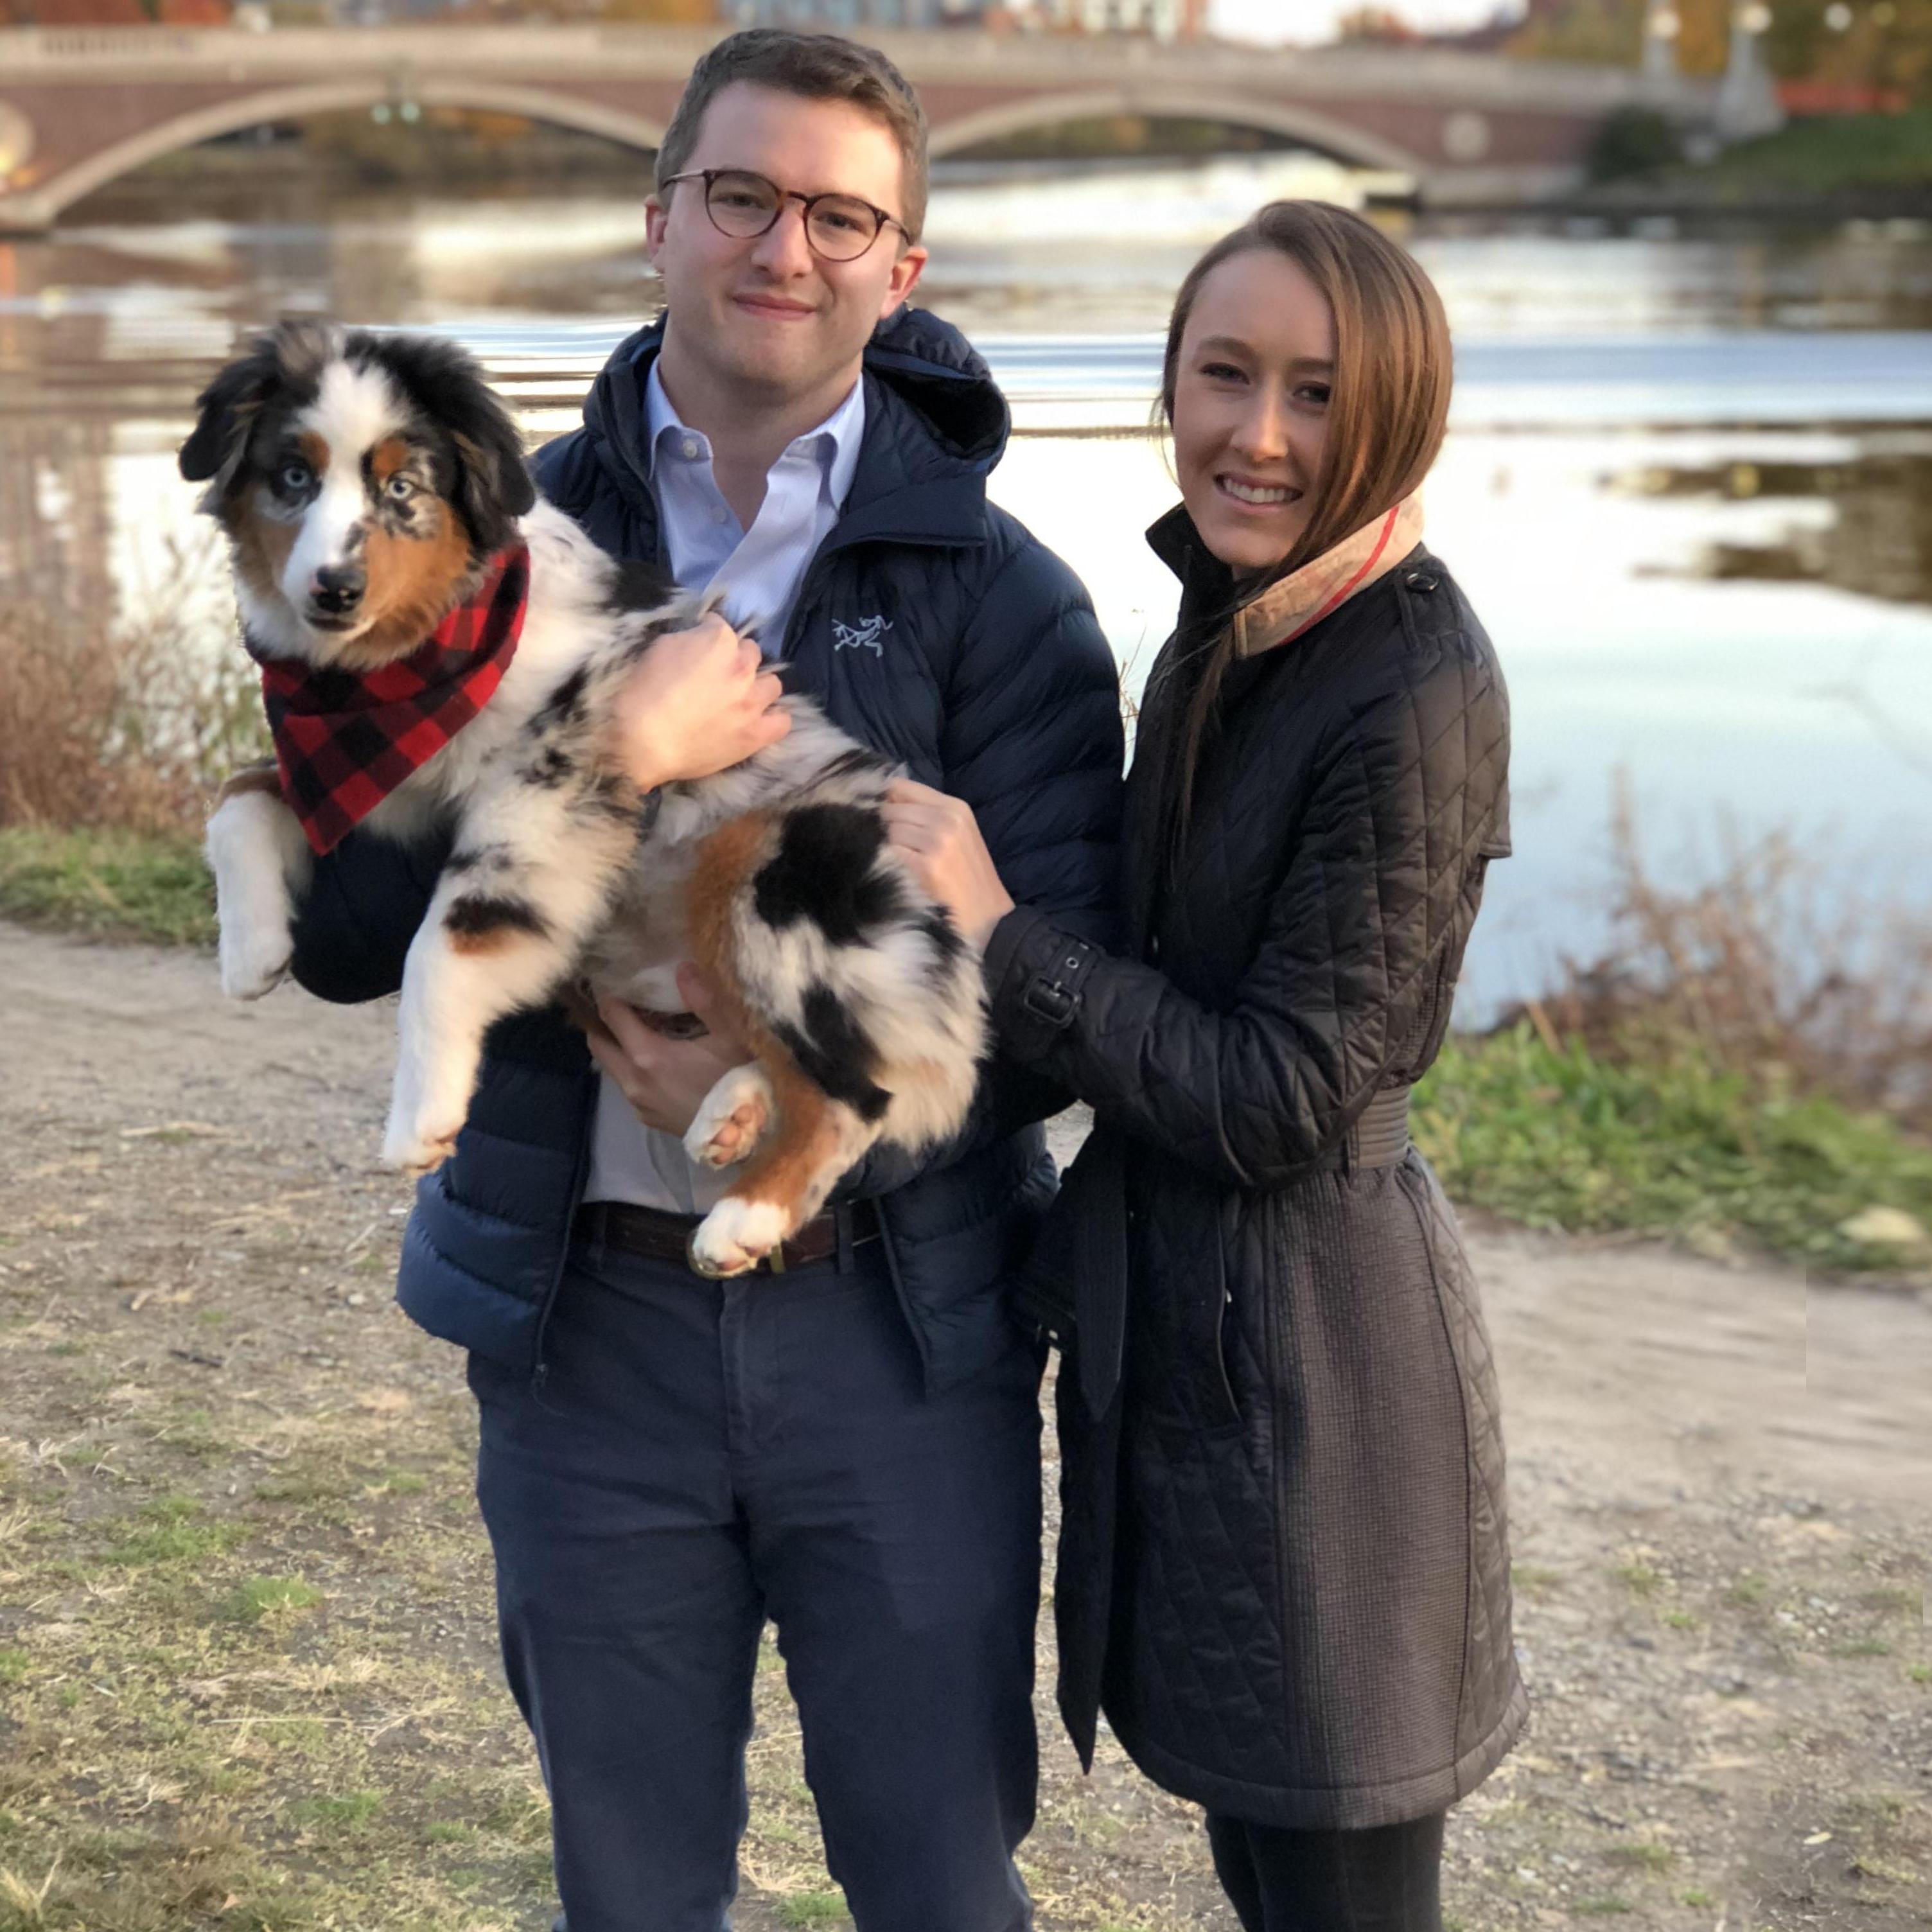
(113, 724)
(1775, 964)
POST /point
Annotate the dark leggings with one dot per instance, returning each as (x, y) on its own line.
(1387, 1879)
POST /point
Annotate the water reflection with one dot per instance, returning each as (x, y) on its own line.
(1695, 512)
(1862, 521)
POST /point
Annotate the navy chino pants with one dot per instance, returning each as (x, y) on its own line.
(704, 1455)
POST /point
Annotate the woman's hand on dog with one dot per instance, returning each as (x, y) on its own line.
(665, 1080)
(699, 702)
(939, 838)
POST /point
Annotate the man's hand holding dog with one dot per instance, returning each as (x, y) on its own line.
(665, 1080)
(700, 702)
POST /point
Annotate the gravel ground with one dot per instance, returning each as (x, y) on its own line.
(247, 1675)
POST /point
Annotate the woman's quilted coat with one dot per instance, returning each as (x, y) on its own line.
(1284, 1569)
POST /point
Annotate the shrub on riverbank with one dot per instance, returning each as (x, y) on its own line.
(1831, 164)
(112, 738)
(126, 725)
(1830, 154)
(1552, 1135)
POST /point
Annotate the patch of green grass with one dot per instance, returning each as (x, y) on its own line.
(342, 1811)
(1863, 1646)
(812, 1908)
(1698, 1897)
(1680, 1620)
(13, 1665)
(1747, 1590)
(399, 1483)
(1643, 1856)
(1533, 1580)
(174, 1533)
(107, 884)
(192, 1431)
(1670, 1145)
(301, 1486)
(1608, 1905)
(1639, 1577)
(1919, 1673)
(263, 1597)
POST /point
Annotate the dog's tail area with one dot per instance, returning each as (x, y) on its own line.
(854, 991)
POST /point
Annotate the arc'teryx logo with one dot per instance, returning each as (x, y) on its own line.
(862, 637)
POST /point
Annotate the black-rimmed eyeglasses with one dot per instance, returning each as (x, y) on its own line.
(839, 227)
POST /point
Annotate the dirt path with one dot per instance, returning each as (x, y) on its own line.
(247, 1669)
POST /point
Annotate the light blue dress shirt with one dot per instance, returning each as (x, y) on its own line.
(761, 570)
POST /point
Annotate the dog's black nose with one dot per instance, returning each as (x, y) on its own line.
(338, 591)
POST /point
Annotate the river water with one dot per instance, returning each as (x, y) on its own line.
(1688, 485)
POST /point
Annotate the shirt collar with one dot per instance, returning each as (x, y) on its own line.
(835, 441)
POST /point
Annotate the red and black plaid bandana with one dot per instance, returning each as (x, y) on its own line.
(345, 739)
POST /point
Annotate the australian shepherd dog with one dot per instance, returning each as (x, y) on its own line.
(370, 487)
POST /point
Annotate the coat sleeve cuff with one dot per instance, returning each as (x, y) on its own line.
(1035, 972)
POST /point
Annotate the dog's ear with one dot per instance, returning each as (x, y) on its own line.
(491, 488)
(228, 407)
(292, 356)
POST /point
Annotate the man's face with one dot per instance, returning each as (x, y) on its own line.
(767, 314)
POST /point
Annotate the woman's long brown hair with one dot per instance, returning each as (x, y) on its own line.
(1388, 402)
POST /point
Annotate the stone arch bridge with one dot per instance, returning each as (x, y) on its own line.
(79, 106)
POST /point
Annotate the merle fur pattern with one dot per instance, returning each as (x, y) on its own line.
(557, 872)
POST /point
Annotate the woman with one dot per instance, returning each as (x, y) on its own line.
(1284, 1574)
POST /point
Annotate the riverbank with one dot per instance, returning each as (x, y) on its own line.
(248, 1667)
(1822, 169)
(1660, 1140)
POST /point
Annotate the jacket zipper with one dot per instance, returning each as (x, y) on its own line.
(579, 1179)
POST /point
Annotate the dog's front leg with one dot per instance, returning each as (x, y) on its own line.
(262, 868)
(814, 1142)
(528, 882)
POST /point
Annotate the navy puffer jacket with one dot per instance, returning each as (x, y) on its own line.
(991, 680)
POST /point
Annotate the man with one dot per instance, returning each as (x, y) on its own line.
(850, 1446)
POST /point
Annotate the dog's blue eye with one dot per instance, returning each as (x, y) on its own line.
(400, 487)
(294, 477)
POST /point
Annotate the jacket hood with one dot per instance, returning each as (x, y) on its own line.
(953, 407)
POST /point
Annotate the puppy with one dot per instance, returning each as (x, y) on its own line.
(441, 653)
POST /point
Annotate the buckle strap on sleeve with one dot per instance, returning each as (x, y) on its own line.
(1053, 994)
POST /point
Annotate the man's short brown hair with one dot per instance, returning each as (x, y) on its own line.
(815, 67)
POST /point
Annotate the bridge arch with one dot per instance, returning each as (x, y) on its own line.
(1305, 125)
(297, 104)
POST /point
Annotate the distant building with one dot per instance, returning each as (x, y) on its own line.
(1164, 19)
(838, 13)
(113, 13)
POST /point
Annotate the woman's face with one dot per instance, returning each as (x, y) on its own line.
(1251, 406)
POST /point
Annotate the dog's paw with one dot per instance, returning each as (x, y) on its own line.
(736, 1235)
(254, 963)
(733, 1119)
(417, 1143)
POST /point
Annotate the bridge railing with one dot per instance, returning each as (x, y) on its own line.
(1406, 73)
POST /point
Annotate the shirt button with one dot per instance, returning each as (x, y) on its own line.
(689, 447)
(718, 514)
(1421, 581)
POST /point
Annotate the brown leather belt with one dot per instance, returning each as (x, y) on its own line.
(661, 1237)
